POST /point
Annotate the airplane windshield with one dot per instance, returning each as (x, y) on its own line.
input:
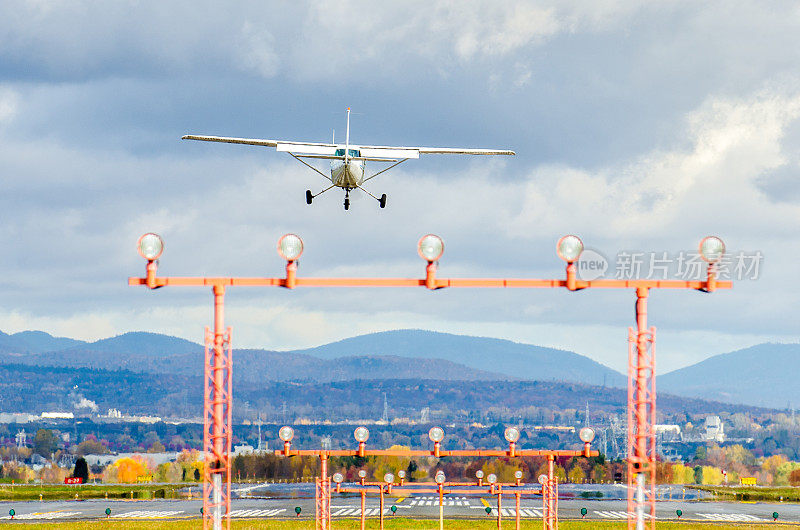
(350, 152)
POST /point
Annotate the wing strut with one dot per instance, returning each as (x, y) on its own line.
(310, 166)
(385, 170)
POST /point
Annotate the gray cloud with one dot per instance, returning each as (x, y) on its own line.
(638, 126)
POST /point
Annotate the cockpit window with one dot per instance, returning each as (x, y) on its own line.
(350, 152)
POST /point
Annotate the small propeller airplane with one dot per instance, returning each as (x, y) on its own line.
(348, 162)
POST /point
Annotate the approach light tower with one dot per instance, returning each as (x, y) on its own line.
(641, 351)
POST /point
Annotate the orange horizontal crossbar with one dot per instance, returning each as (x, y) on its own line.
(439, 283)
(442, 452)
(405, 490)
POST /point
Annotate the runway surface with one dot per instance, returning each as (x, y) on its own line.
(423, 505)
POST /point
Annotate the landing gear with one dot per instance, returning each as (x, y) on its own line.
(309, 197)
(382, 201)
(347, 198)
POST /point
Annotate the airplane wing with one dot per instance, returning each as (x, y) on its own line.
(310, 148)
(380, 151)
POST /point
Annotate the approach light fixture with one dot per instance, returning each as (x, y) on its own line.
(401, 474)
(511, 434)
(290, 246)
(388, 478)
(150, 246)
(569, 248)
(436, 434)
(586, 435)
(286, 433)
(518, 475)
(362, 473)
(712, 249)
(430, 247)
(338, 478)
(361, 434)
(542, 479)
(479, 473)
(439, 478)
(492, 478)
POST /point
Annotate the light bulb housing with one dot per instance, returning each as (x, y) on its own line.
(362, 473)
(401, 474)
(518, 475)
(290, 247)
(388, 478)
(511, 434)
(492, 478)
(338, 478)
(569, 248)
(286, 433)
(436, 434)
(542, 479)
(150, 246)
(479, 473)
(439, 478)
(361, 434)
(586, 435)
(712, 249)
(430, 247)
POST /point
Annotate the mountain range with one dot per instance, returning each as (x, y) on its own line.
(752, 376)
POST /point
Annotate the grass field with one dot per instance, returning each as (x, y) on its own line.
(753, 493)
(390, 524)
(51, 492)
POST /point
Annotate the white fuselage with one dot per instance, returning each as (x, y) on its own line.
(349, 173)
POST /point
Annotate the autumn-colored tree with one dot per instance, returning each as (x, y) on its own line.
(129, 469)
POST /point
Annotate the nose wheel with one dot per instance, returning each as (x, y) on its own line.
(347, 199)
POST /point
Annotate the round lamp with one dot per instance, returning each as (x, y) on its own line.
(436, 434)
(150, 246)
(361, 434)
(286, 433)
(569, 248)
(712, 249)
(290, 247)
(430, 247)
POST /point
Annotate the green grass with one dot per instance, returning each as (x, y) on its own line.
(753, 493)
(51, 492)
(390, 524)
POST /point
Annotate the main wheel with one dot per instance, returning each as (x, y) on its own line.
(347, 204)
(382, 201)
(309, 197)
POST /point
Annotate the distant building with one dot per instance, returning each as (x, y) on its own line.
(242, 449)
(714, 430)
(58, 416)
(668, 433)
(21, 438)
(17, 417)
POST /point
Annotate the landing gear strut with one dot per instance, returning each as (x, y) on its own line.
(347, 198)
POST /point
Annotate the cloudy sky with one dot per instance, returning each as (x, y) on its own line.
(640, 126)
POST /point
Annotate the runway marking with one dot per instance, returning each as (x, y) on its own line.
(739, 517)
(43, 515)
(523, 512)
(399, 500)
(146, 514)
(610, 514)
(485, 502)
(257, 513)
(349, 512)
